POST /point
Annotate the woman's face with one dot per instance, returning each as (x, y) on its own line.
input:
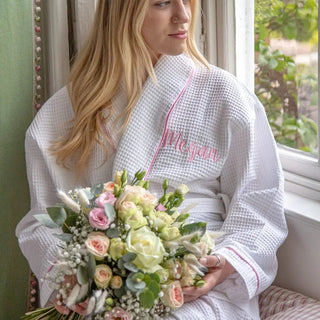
(165, 27)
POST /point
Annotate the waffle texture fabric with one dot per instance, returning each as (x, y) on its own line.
(195, 126)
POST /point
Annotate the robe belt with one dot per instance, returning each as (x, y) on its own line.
(216, 206)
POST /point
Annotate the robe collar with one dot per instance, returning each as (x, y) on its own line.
(138, 145)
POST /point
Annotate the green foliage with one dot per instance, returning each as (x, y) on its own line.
(146, 298)
(50, 313)
(199, 227)
(58, 215)
(296, 19)
(46, 220)
(277, 77)
(110, 211)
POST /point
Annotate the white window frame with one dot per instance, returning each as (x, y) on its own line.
(229, 34)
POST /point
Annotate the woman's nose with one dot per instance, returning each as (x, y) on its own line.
(181, 14)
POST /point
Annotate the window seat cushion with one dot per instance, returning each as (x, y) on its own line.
(277, 303)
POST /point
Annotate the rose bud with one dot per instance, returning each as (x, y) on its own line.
(102, 276)
(116, 282)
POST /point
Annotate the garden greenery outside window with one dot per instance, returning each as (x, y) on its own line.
(286, 82)
(286, 73)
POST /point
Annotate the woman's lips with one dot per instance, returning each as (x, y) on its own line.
(179, 35)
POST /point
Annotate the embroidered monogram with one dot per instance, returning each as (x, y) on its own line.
(176, 139)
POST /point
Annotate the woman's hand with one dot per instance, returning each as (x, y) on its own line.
(217, 274)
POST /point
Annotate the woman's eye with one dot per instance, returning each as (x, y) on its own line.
(162, 4)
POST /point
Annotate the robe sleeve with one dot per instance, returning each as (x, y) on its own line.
(255, 225)
(37, 243)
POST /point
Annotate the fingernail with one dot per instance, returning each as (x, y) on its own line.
(203, 260)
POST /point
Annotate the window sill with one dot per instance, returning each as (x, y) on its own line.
(298, 256)
(302, 207)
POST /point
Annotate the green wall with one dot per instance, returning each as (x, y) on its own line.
(16, 113)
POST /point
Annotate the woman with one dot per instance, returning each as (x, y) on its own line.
(140, 95)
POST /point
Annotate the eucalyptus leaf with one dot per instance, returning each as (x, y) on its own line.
(57, 214)
(135, 286)
(82, 275)
(97, 189)
(46, 221)
(70, 222)
(131, 267)
(66, 237)
(110, 212)
(89, 194)
(130, 256)
(120, 292)
(113, 233)
(121, 264)
(91, 265)
(147, 298)
(139, 276)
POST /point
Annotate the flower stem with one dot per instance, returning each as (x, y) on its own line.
(67, 226)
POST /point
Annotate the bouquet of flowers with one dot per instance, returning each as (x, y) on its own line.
(124, 253)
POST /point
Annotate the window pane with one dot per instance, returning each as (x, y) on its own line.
(286, 69)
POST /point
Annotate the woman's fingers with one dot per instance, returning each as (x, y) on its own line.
(191, 293)
(213, 261)
(219, 270)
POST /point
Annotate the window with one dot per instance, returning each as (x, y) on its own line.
(229, 43)
(286, 77)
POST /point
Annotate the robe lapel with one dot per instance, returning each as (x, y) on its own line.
(141, 139)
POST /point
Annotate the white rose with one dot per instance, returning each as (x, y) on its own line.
(148, 248)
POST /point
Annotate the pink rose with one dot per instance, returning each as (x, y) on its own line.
(106, 197)
(118, 313)
(109, 186)
(98, 244)
(98, 219)
(173, 295)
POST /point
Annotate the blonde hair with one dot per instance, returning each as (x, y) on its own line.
(115, 49)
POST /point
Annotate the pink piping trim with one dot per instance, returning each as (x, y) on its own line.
(110, 138)
(166, 125)
(254, 270)
(50, 269)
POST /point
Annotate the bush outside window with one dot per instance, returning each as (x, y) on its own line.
(286, 69)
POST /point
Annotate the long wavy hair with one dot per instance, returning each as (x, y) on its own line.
(114, 50)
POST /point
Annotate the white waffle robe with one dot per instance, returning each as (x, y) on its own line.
(195, 126)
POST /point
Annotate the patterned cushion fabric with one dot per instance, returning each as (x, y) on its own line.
(281, 304)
